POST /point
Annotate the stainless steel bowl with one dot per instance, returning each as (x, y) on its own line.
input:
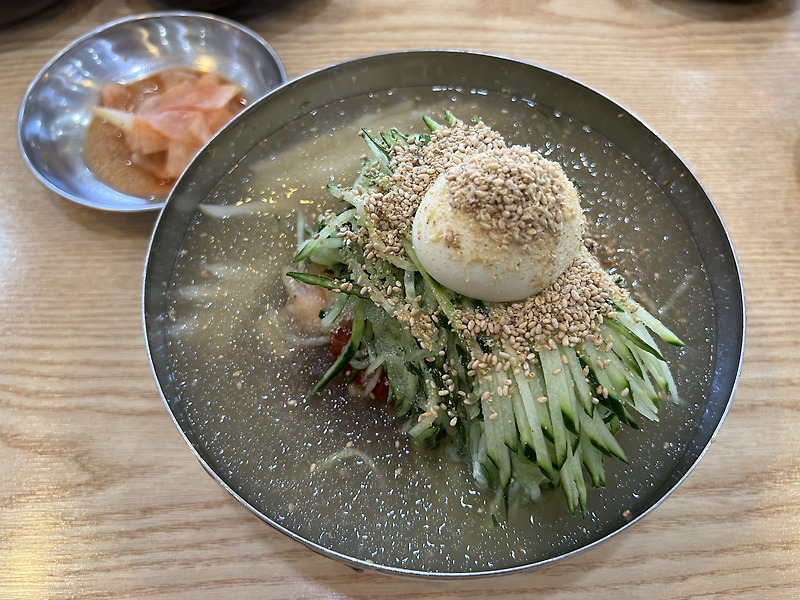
(56, 109)
(550, 100)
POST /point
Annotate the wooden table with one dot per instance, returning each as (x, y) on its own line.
(101, 498)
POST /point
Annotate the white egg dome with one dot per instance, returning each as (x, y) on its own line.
(500, 226)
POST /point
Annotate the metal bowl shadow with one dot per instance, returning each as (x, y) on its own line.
(451, 70)
(57, 107)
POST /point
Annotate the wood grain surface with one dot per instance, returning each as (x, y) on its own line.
(101, 498)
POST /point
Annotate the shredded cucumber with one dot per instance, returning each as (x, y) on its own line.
(521, 430)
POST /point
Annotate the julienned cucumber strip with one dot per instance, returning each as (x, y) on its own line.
(632, 337)
(496, 449)
(310, 245)
(578, 380)
(592, 460)
(349, 350)
(329, 283)
(597, 432)
(559, 386)
(334, 312)
(438, 291)
(657, 327)
(573, 484)
(552, 424)
(529, 418)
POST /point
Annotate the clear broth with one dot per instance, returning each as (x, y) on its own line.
(244, 390)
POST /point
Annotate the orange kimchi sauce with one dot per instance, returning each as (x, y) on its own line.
(107, 149)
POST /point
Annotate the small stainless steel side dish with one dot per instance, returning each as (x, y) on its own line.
(57, 107)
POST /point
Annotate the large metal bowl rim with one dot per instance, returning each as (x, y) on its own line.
(468, 70)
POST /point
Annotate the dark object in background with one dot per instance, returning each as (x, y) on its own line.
(12, 11)
(230, 8)
(209, 5)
